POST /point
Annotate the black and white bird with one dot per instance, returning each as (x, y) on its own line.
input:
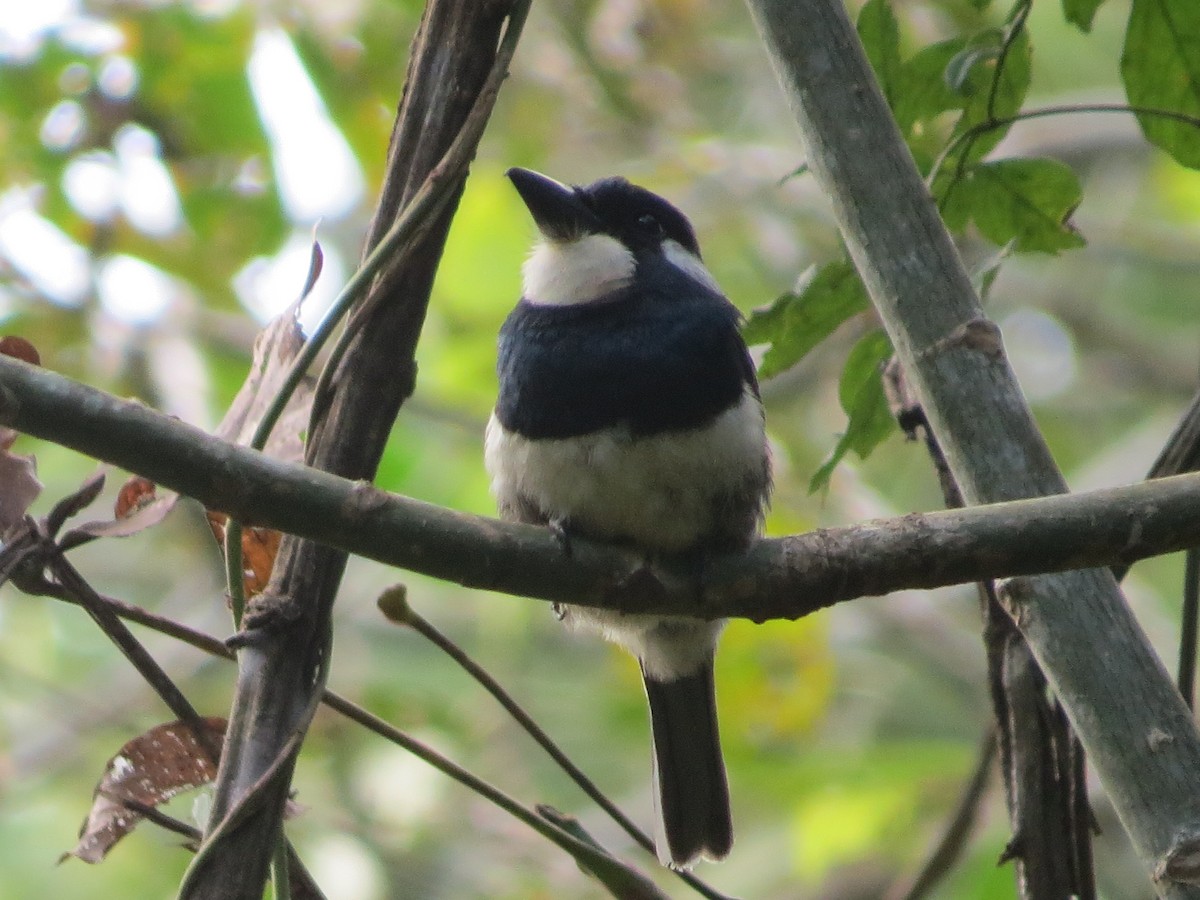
(629, 412)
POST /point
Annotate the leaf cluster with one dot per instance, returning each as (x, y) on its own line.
(955, 101)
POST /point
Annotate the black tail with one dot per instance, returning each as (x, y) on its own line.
(689, 774)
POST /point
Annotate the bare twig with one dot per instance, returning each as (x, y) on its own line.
(1189, 626)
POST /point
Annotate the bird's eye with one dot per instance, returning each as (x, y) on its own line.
(650, 225)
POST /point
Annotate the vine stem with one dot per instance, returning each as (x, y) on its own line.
(1044, 112)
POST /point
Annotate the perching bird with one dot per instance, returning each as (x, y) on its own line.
(629, 412)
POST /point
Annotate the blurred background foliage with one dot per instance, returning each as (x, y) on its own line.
(162, 167)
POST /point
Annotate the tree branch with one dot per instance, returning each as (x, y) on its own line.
(777, 578)
(459, 58)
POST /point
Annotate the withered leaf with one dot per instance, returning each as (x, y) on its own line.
(137, 493)
(138, 506)
(274, 350)
(19, 348)
(149, 770)
(19, 485)
(259, 547)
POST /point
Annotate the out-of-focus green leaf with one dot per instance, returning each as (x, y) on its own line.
(861, 395)
(984, 275)
(479, 278)
(1160, 66)
(797, 322)
(193, 82)
(962, 65)
(230, 227)
(1081, 12)
(925, 92)
(477, 283)
(27, 94)
(880, 36)
(1027, 202)
(782, 676)
(835, 827)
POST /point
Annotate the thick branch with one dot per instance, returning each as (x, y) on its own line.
(1114, 687)
(454, 74)
(777, 578)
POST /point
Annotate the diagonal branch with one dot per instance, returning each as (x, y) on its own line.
(1137, 731)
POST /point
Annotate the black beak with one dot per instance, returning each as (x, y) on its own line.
(558, 210)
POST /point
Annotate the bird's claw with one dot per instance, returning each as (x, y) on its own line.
(558, 528)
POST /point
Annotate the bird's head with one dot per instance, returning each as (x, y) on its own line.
(596, 239)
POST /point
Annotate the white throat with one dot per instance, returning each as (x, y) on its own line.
(689, 264)
(561, 273)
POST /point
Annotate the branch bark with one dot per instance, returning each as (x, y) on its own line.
(1042, 763)
(287, 633)
(776, 578)
(1135, 727)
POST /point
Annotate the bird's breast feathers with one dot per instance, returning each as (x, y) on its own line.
(668, 492)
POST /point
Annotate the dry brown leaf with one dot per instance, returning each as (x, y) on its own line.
(19, 348)
(135, 494)
(274, 350)
(259, 547)
(138, 507)
(149, 770)
(19, 485)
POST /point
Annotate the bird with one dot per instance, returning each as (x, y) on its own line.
(629, 412)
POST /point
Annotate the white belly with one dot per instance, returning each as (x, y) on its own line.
(656, 491)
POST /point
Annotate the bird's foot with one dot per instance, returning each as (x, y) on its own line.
(558, 527)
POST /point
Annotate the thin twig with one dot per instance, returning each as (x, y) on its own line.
(1011, 32)
(1188, 627)
(974, 131)
(145, 664)
(596, 860)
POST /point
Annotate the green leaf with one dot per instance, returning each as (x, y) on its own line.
(880, 36)
(925, 93)
(1024, 201)
(1160, 66)
(797, 322)
(193, 79)
(1081, 12)
(861, 395)
(995, 84)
